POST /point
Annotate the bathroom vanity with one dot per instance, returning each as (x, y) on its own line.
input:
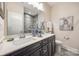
(23, 20)
(39, 46)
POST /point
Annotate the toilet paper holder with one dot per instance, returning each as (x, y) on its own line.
(66, 37)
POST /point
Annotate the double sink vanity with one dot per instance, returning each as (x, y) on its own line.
(29, 46)
(21, 20)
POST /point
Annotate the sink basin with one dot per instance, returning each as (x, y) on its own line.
(20, 41)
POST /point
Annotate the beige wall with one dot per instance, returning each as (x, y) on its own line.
(47, 11)
(64, 10)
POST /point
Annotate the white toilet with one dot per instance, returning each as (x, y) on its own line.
(58, 48)
(63, 50)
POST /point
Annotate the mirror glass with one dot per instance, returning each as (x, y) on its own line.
(28, 21)
(15, 23)
(22, 23)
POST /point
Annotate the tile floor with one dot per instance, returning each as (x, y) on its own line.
(65, 52)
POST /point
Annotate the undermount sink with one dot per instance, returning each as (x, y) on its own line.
(20, 41)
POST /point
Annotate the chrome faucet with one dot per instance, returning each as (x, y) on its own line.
(22, 35)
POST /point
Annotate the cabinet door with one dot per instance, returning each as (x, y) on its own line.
(51, 45)
(45, 51)
(36, 53)
(54, 45)
(50, 49)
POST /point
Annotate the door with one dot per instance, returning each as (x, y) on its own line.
(51, 45)
(45, 51)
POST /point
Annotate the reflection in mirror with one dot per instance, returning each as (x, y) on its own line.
(30, 17)
(15, 23)
(22, 22)
(27, 23)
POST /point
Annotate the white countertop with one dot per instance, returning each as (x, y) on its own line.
(8, 47)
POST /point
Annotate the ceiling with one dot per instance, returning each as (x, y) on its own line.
(52, 3)
(58, 3)
(55, 3)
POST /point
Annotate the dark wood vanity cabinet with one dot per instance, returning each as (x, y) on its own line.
(44, 47)
(52, 46)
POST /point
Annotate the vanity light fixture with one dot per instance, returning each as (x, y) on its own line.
(37, 5)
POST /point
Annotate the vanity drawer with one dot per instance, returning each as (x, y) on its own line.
(44, 42)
